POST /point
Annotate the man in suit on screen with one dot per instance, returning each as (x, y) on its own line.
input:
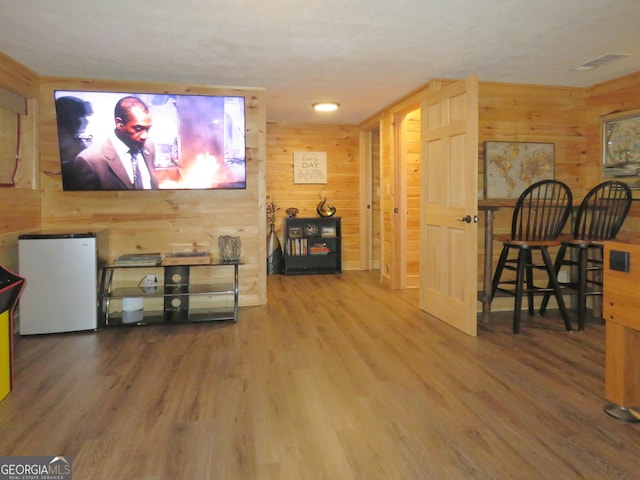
(124, 160)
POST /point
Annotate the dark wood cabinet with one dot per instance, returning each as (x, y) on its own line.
(312, 245)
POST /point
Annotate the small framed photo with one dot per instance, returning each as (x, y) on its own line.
(295, 232)
(328, 231)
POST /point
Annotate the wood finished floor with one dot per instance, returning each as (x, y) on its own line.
(336, 378)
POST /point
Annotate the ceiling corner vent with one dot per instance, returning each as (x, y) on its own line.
(601, 60)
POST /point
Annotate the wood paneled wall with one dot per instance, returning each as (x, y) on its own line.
(162, 221)
(410, 156)
(389, 264)
(376, 235)
(20, 205)
(566, 117)
(395, 169)
(531, 113)
(616, 96)
(342, 190)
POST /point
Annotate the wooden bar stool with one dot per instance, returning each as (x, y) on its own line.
(539, 216)
(600, 216)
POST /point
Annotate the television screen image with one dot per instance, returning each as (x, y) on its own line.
(134, 141)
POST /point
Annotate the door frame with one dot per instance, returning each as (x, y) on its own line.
(366, 193)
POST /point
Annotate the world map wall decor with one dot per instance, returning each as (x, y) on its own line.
(510, 167)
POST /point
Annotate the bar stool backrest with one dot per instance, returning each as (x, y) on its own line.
(541, 212)
(603, 211)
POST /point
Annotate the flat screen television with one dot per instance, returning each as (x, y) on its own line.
(133, 141)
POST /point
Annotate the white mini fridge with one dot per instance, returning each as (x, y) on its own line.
(61, 272)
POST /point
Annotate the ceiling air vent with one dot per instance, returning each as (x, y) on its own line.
(596, 62)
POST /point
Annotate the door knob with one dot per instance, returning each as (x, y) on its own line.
(469, 219)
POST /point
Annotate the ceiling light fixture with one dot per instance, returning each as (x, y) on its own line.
(325, 106)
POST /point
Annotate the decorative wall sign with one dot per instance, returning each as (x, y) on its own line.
(309, 167)
(510, 167)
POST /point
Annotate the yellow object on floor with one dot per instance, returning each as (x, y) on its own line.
(5, 355)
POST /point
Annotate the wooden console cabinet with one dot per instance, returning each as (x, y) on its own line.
(621, 311)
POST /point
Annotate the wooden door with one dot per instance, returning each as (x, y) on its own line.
(370, 221)
(407, 183)
(448, 192)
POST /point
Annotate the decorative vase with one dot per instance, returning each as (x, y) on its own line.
(229, 248)
(325, 210)
(275, 261)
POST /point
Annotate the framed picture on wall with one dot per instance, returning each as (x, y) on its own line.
(621, 144)
(510, 167)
